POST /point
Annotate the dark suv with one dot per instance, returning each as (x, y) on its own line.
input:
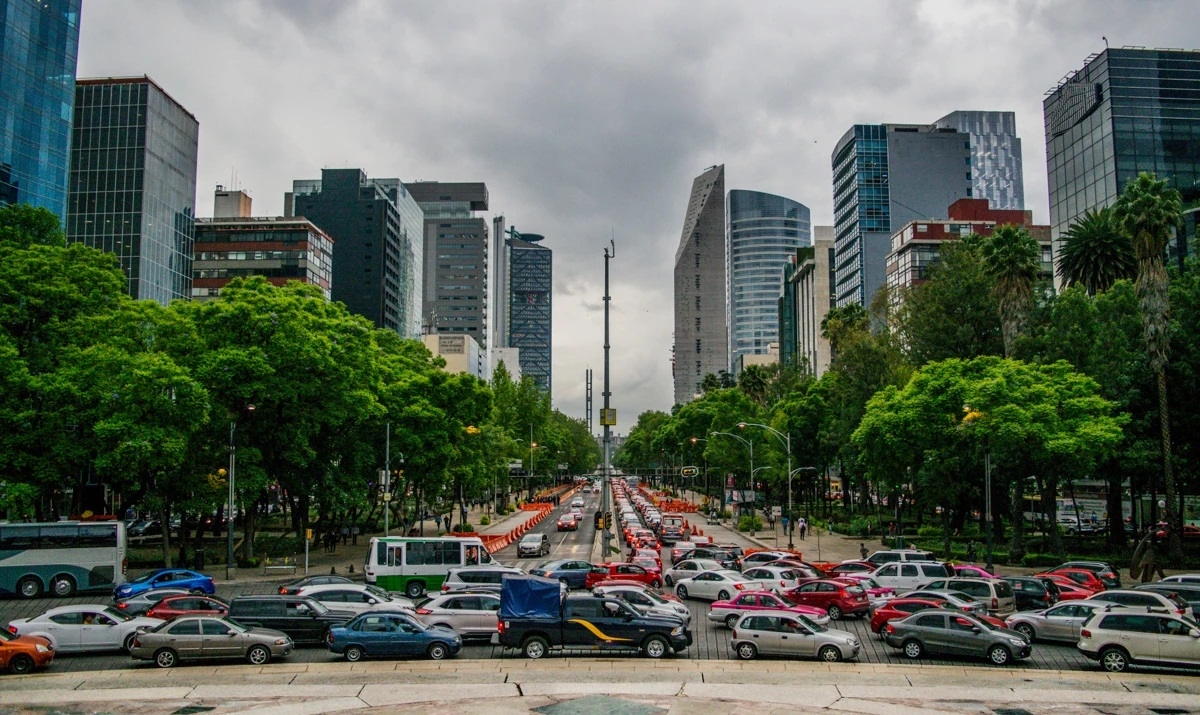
(726, 557)
(305, 619)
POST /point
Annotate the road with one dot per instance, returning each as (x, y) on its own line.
(711, 641)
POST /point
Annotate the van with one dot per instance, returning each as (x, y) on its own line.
(908, 576)
(996, 593)
(888, 556)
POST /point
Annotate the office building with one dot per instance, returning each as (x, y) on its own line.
(511, 357)
(1126, 111)
(764, 230)
(885, 175)
(531, 279)
(460, 352)
(996, 172)
(455, 272)
(1188, 239)
(235, 244)
(806, 299)
(133, 182)
(499, 282)
(377, 227)
(701, 318)
(39, 42)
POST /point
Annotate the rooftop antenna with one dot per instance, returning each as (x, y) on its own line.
(1102, 37)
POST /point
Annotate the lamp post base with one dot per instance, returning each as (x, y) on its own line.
(230, 573)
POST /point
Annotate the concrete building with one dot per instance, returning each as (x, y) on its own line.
(885, 175)
(530, 305)
(807, 296)
(133, 182)
(996, 167)
(763, 230)
(764, 359)
(511, 357)
(1127, 110)
(455, 273)
(499, 283)
(234, 244)
(461, 353)
(39, 43)
(701, 320)
(378, 228)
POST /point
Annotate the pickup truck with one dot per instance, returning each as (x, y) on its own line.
(537, 616)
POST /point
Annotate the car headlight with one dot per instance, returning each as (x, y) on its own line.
(458, 639)
(281, 641)
(677, 631)
(41, 648)
(1017, 641)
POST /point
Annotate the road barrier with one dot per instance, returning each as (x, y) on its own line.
(495, 542)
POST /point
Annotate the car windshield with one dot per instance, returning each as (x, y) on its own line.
(117, 615)
(869, 583)
(853, 590)
(812, 624)
(317, 606)
(532, 538)
(962, 596)
(377, 592)
(235, 623)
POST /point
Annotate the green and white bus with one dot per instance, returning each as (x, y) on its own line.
(61, 557)
(415, 564)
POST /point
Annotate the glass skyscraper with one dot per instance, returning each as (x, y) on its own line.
(530, 310)
(39, 41)
(996, 169)
(1126, 111)
(763, 231)
(133, 182)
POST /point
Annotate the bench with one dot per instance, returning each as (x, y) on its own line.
(285, 566)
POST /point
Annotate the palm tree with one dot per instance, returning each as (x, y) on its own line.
(1149, 212)
(1012, 258)
(1096, 252)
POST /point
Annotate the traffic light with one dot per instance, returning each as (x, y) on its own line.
(599, 520)
(608, 520)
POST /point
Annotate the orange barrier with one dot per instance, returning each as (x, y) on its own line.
(495, 542)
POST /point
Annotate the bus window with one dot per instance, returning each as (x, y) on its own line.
(393, 556)
(381, 553)
(471, 557)
(485, 557)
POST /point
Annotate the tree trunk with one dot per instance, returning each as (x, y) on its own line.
(1116, 522)
(1016, 509)
(1174, 540)
(249, 526)
(1049, 494)
(164, 517)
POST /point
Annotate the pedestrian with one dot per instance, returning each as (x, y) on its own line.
(345, 534)
(785, 523)
(830, 529)
(971, 554)
(354, 535)
(862, 551)
(803, 528)
(446, 521)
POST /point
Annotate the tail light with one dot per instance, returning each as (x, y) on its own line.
(329, 637)
(423, 611)
(1085, 633)
(891, 628)
(735, 635)
(500, 627)
(136, 643)
(12, 629)
(445, 588)
(995, 604)
(783, 584)
(283, 590)
(122, 606)
(124, 565)
(739, 586)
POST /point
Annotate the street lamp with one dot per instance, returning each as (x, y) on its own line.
(971, 415)
(750, 444)
(229, 519)
(791, 516)
(787, 442)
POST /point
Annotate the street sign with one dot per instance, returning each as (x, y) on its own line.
(776, 511)
(308, 534)
(608, 416)
(689, 471)
(729, 482)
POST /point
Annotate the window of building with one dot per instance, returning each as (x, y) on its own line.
(697, 323)
(697, 346)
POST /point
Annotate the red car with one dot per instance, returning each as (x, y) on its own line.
(168, 608)
(1068, 590)
(972, 571)
(24, 654)
(650, 563)
(728, 612)
(646, 554)
(566, 522)
(623, 571)
(836, 597)
(1081, 577)
(900, 608)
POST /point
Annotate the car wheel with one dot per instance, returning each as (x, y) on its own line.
(747, 651)
(1114, 660)
(723, 596)
(655, 647)
(20, 664)
(681, 591)
(835, 613)
(29, 587)
(656, 583)
(63, 586)
(414, 589)
(535, 647)
(830, 654)
(354, 653)
(438, 651)
(913, 649)
(258, 655)
(166, 658)
(127, 645)
(669, 581)
(1026, 630)
(731, 620)
(999, 655)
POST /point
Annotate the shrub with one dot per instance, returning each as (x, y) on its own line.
(484, 520)
(726, 514)
(1040, 560)
(929, 532)
(276, 546)
(750, 523)
(466, 526)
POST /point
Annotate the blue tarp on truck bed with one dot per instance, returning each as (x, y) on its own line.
(523, 596)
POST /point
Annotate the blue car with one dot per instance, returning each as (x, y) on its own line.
(387, 633)
(570, 571)
(165, 578)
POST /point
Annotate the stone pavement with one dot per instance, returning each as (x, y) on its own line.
(564, 686)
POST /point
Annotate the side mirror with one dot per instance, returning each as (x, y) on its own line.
(976, 629)
(372, 601)
(231, 634)
(1194, 633)
(627, 615)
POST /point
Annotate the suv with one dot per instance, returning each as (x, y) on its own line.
(996, 593)
(726, 557)
(886, 557)
(477, 578)
(1119, 638)
(1162, 603)
(304, 619)
(908, 576)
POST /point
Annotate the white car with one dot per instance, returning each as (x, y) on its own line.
(716, 585)
(689, 568)
(84, 628)
(356, 597)
(577, 501)
(908, 576)
(647, 601)
(1183, 578)
(777, 578)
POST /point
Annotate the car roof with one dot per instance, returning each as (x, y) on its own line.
(321, 587)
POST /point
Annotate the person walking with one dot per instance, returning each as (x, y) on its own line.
(354, 535)
(345, 534)
(862, 551)
(446, 522)
(803, 529)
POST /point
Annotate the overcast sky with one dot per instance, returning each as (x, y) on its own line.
(587, 119)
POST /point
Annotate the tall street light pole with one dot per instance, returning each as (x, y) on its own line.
(230, 569)
(791, 517)
(607, 418)
(749, 443)
(786, 439)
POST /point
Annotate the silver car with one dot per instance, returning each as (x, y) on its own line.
(787, 634)
(191, 638)
(1059, 623)
(468, 614)
(533, 544)
(647, 601)
(957, 599)
(138, 605)
(955, 634)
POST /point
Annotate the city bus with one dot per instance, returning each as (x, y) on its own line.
(415, 564)
(61, 557)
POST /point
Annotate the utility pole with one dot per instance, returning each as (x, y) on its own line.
(607, 418)
(588, 402)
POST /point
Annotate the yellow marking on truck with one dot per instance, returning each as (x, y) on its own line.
(596, 631)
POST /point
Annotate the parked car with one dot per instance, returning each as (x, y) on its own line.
(1188, 592)
(194, 637)
(468, 614)
(969, 571)
(688, 568)
(572, 572)
(291, 589)
(189, 605)
(955, 634)
(902, 608)
(83, 628)
(876, 595)
(305, 620)
(146, 527)
(956, 599)
(852, 567)
(888, 556)
(908, 576)
(20, 655)
(477, 578)
(1082, 577)
(836, 597)
(791, 635)
(1068, 590)
(646, 600)
(726, 557)
(996, 594)
(681, 550)
(1147, 600)
(138, 604)
(356, 597)
(1108, 574)
(1183, 578)
(1060, 623)
(762, 558)
(166, 578)
(533, 544)
(1119, 638)
(392, 633)
(729, 611)
(778, 578)
(1033, 594)
(716, 585)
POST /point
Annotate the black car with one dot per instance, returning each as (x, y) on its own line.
(305, 619)
(1033, 594)
(295, 586)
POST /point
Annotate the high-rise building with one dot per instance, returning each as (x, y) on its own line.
(531, 279)
(235, 244)
(764, 230)
(499, 282)
(996, 170)
(455, 274)
(701, 317)
(1125, 111)
(133, 182)
(885, 175)
(39, 42)
(377, 227)
(806, 298)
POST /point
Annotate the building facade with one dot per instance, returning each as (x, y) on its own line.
(1126, 111)
(701, 318)
(806, 298)
(764, 230)
(500, 286)
(234, 244)
(377, 227)
(456, 248)
(461, 353)
(133, 182)
(39, 43)
(530, 306)
(996, 169)
(885, 175)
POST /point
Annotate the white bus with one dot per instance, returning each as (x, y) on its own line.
(415, 564)
(61, 557)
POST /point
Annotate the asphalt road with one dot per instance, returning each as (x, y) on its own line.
(711, 641)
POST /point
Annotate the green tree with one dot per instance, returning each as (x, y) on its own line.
(22, 225)
(1096, 252)
(1011, 257)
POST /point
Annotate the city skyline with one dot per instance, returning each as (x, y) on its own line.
(593, 133)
